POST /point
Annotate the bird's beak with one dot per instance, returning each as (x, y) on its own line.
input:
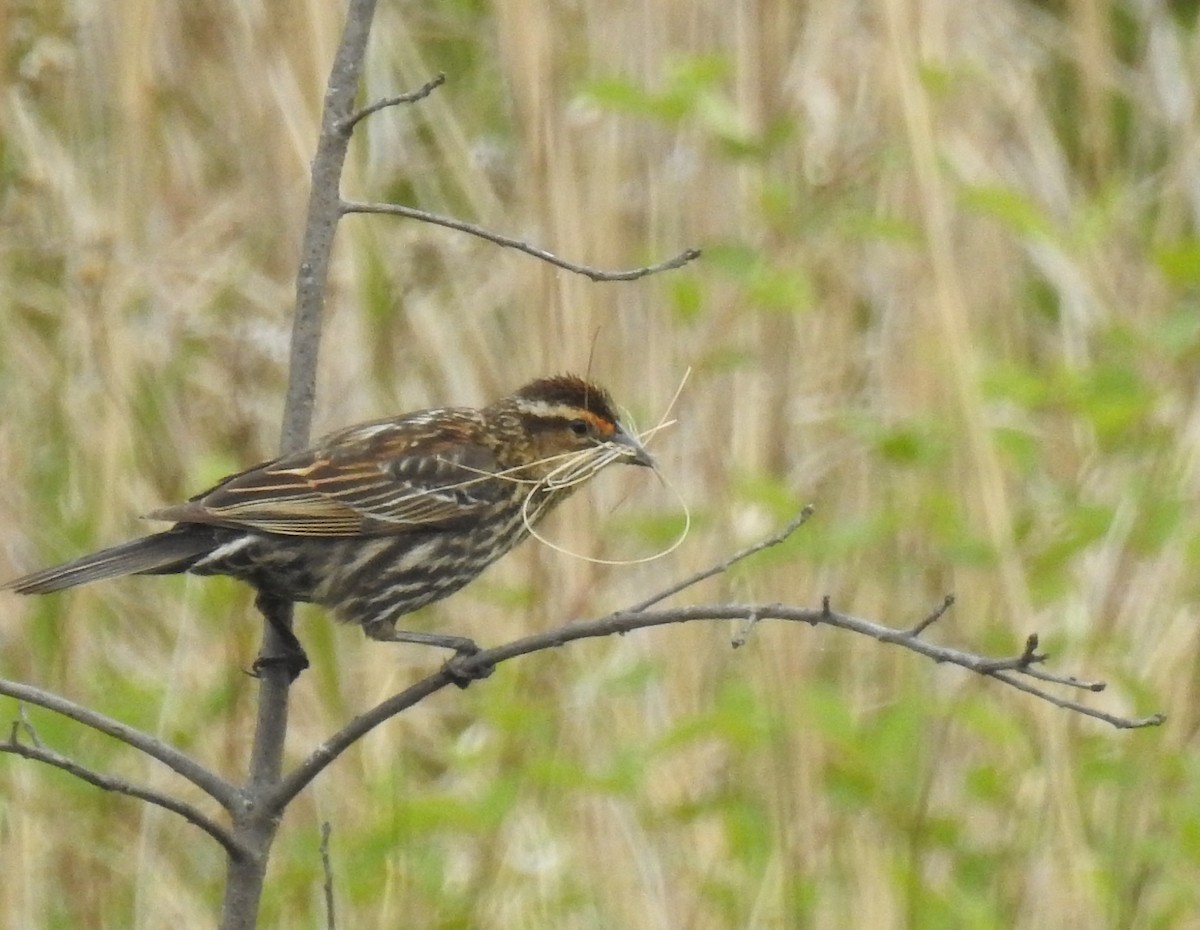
(635, 452)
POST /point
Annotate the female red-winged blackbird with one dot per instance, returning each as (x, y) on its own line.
(385, 517)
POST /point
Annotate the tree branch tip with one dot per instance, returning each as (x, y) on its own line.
(933, 617)
(743, 635)
(686, 257)
(1029, 655)
(799, 520)
(1137, 723)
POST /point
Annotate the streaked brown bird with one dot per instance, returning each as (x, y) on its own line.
(380, 519)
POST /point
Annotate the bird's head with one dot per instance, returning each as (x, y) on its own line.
(572, 424)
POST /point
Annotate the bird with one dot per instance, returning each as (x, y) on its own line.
(382, 518)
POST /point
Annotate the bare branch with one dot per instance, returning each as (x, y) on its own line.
(639, 617)
(1121, 723)
(1067, 681)
(743, 634)
(723, 566)
(244, 878)
(934, 616)
(347, 125)
(23, 724)
(324, 754)
(212, 784)
(39, 753)
(508, 242)
(624, 621)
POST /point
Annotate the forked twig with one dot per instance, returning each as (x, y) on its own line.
(216, 787)
(1008, 671)
(36, 750)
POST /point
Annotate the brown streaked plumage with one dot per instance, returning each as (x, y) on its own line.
(385, 517)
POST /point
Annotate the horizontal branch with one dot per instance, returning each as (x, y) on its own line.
(625, 621)
(1004, 670)
(462, 669)
(508, 242)
(221, 791)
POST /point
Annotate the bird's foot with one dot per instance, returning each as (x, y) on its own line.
(278, 613)
(462, 667)
(291, 661)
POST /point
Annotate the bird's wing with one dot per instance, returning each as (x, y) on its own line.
(379, 478)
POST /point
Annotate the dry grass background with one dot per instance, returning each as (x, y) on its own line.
(950, 296)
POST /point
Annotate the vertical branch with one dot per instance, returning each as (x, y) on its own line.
(324, 211)
(253, 826)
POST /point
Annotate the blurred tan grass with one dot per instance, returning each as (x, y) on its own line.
(932, 233)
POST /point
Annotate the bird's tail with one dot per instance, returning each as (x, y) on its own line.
(163, 553)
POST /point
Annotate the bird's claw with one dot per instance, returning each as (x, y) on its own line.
(460, 668)
(293, 663)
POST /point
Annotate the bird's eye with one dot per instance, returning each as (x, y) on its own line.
(579, 427)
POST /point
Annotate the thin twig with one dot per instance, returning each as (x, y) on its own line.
(935, 615)
(508, 242)
(23, 723)
(1067, 681)
(723, 566)
(40, 753)
(327, 867)
(1121, 723)
(626, 621)
(347, 125)
(743, 634)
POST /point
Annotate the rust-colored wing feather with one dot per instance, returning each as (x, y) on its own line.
(375, 479)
